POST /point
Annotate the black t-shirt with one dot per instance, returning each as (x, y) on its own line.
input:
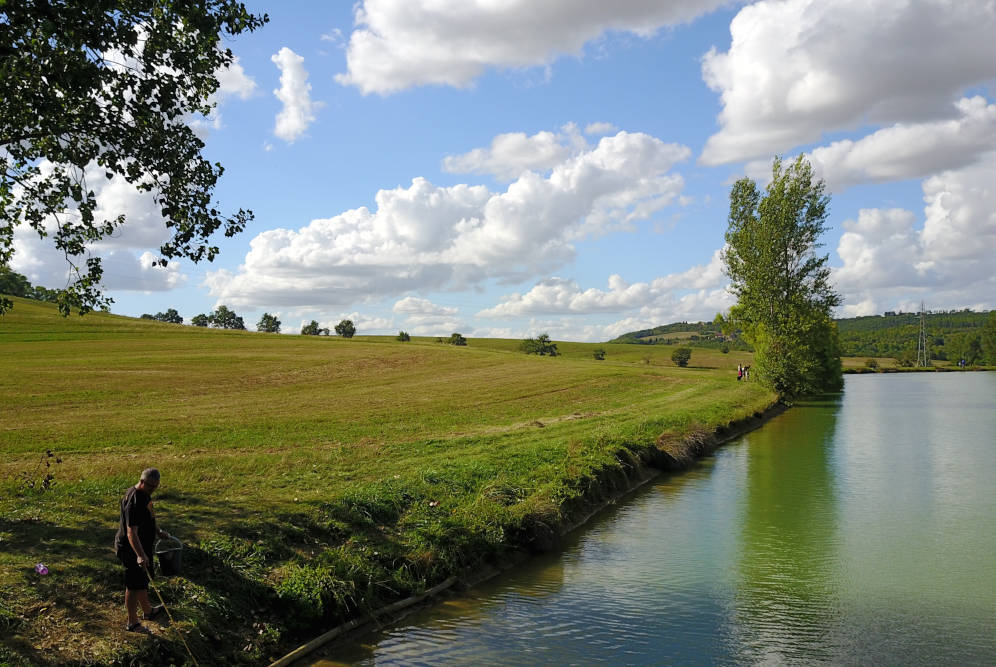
(135, 511)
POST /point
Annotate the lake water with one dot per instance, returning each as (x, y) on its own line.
(856, 530)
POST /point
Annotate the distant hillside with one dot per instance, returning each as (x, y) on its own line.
(695, 334)
(890, 335)
(893, 334)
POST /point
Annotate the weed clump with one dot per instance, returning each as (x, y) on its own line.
(34, 480)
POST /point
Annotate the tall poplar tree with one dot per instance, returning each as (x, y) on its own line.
(110, 85)
(784, 297)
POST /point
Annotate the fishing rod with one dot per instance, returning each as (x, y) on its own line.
(169, 615)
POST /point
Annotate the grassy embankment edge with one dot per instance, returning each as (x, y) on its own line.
(673, 454)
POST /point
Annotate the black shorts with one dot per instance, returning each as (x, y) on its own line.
(135, 577)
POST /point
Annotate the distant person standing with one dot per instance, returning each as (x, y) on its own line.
(133, 544)
(740, 372)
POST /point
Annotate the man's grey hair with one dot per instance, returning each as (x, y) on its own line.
(150, 475)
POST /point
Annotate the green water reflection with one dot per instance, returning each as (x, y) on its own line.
(787, 596)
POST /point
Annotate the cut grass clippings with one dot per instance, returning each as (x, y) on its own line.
(311, 479)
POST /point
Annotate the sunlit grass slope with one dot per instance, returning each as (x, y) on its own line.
(310, 477)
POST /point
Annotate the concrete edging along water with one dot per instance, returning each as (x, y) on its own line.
(321, 640)
(673, 456)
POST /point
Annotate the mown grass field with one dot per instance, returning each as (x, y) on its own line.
(310, 478)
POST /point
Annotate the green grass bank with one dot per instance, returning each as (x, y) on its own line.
(312, 479)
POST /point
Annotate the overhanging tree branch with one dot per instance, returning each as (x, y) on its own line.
(110, 83)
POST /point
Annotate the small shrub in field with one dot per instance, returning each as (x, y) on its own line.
(170, 316)
(871, 364)
(346, 328)
(457, 339)
(268, 324)
(224, 318)
(681, 355)
(541, 345)
(312, 329)
(725, 349)
(598, 353)
(403, 336)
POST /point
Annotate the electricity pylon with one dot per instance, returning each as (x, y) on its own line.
(922, 354)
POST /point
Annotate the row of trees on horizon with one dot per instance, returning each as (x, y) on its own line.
(224, 317)
(955, 336)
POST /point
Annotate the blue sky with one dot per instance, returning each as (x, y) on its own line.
(512, 168)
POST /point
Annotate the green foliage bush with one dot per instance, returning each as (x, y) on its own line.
(268, 324)
(170, 316)
(346, 328)
(403, 336)
(313, 329)
(16, 284)
(457, 339)
(541, 345)
(225, 318)
(598, 353)
(681, 356)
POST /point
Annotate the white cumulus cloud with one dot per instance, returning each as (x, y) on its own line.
(426, 237)
(398, 44)
(233, 81)
(600, 128)
(299, 110)
(695, 306)
(124, 269)
(425, 318)
(889, 260)
(411, 305)
(563, 296)
(127, 262)
(513, 153)
(797, 69)
(913, 150)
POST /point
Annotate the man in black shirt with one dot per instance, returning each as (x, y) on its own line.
(133, 544)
